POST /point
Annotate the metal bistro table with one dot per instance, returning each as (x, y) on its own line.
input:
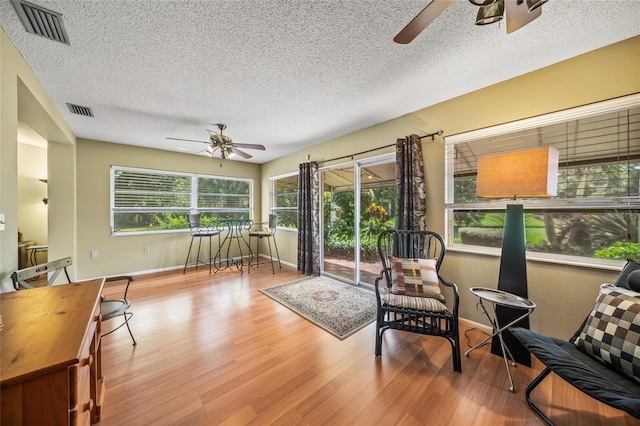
(234, 228)
(502, 298)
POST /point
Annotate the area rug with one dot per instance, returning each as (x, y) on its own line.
(339, 308)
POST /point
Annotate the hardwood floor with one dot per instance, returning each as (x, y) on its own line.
(212, 349)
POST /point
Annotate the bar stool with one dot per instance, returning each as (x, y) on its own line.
(259, 231)
(198, 231)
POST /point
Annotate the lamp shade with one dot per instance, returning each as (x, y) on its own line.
(529, 173)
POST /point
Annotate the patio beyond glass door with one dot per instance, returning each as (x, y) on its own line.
(339, 222)
(377, 213)
(359, 202)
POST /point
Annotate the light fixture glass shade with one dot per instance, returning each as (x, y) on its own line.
(534, 4)
(210, 150)
(482, 2)
(529, 173)
(230, 153)
(490, 14)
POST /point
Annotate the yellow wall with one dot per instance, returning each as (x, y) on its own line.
(32, 212)
(79, 189)
(564, 294)
(125, 254)
(23, 98)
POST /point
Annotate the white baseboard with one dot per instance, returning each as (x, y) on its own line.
(473, 324)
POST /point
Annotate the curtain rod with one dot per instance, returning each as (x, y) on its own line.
(430, 135)
(357, 153)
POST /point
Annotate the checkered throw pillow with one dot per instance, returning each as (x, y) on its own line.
(415, 277)
(612, 331)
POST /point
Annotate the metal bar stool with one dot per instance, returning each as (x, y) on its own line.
(198, 231)
(259, 231)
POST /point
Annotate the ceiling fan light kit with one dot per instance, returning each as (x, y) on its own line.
(534, 4)
(482, 2)
(228, 149)
(490, 14)
(517, 13)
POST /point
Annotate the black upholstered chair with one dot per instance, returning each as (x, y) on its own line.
(614, 328)
(415, 306)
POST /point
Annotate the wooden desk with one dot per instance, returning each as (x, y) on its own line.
(50, 359)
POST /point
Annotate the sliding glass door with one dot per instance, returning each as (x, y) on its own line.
(359, 202)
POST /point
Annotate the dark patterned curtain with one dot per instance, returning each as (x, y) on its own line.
(412, 199)
(309, 219)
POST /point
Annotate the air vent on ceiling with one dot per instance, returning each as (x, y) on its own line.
(80, 110)
(40, 21)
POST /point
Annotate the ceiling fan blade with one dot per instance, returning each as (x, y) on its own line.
(518, 15)
(422, 20)
(241, 153)
(249, 146)
(188, 140)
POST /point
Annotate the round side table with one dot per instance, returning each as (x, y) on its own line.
(494, 298)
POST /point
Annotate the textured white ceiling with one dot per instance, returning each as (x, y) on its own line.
(285, 74)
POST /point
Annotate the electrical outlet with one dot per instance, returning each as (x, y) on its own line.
(2, 222)
(94, 254)
(147, 250)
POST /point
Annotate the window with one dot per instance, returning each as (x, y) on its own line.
(596, 212)
(145, 201)
(284, 200)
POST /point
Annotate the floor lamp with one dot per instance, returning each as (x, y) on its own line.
(529, 173)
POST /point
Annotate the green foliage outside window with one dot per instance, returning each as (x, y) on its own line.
(152, 201)
(377, 214)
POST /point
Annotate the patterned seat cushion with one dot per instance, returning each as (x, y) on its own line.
(411, 302)
(415, 277)
(611, 333)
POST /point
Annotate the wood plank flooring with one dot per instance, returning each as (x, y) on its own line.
(214, 350)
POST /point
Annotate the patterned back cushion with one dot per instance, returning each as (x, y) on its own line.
(611, 333)
(415, 277)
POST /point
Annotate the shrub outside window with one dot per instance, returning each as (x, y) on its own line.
(283, 200)
(596, 213)
(150, 201)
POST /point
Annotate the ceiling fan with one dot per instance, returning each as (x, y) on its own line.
(518, 13)
(223, 143)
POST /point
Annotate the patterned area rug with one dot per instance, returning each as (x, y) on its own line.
(339, 308)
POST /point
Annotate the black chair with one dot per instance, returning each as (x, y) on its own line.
(426, 312)
(198, 231)
(265, 230)
(109, 308)
(603, 381)
(114, 308)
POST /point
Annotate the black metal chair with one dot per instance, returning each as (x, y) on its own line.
(109, 308)
(408, 312)
(198, 231)
(265, 230)
(114, 308)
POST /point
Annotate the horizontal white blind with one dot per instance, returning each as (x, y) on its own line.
(141, 190)
(599, 154)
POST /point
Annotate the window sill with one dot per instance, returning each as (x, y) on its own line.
(604, 264)
(283, 229)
